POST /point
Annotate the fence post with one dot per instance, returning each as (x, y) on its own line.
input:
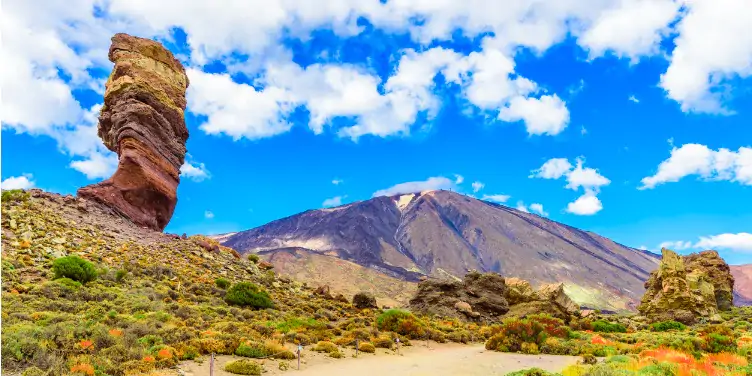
(356, 347)
(299, 348)
(398, 343)
(211, 365)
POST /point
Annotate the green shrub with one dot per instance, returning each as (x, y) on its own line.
(243, 367)
(402, 322)
(717, 343)
(248, 295)
(75, 268)
(32, 371)
(666, 326)
(607, 327)
(534, 329)
(222, 283)
(254, 258)
(16, 195)
(325, 346)
(366, 347)
(120, 274)
(67, 282)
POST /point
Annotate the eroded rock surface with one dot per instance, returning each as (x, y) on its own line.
(489, 297)
(687, 288)
(142, 120)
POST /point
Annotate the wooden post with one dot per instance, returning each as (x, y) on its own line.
(398, 343)
(211, 365)
(299, 348)
(356, 347)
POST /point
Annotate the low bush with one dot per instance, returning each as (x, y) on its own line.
(247, 294)
(666, 326)
(402, 322)
(531, 372)
(535, 329)
(222, 283)
(366, 347)
(244, 367)
(607, 327)
(14, 195)
(75, 268)
(325, 346)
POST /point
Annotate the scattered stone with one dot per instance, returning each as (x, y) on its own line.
(143, 121)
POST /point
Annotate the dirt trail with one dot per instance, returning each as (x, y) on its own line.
(439, 360)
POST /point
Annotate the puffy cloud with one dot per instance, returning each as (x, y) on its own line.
(430, 184)
(545, 115)
(521, 207)
(337, 181)
(477, 186)
(737, 242)
(553, 168)
(634, 99)
(24, 181)
(208, 214)
(334, 201)
(587, 204)
(496, 198)
(587, 178)
(632, 28)
(194, 171)
(697, 159)
(458, 179)
(703, 60)
(538, 208)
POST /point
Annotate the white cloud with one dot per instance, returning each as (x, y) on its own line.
(675, 245)
(634, 99)
(633, 28)
(194, 171)
(713, 45)
(583, 131)
(208, 214)
(587, 204)
(545, 115)
(96, 165)
(24, 181)
(334, 201)
(697, 159)
(496, 198)
(458, 179)
(521, 207)
(337, 181)
(477, 186)
(430, 184)
(538, 208)
(553, 168)
(587, 178)
(736, 242)
(238, 110)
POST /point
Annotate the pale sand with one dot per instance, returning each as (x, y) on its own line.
(417, 360)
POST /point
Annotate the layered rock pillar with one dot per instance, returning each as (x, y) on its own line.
(143, 121)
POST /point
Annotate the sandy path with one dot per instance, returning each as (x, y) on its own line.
(440, 359)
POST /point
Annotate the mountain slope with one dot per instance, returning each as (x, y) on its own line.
(742, 284)
(441, 233)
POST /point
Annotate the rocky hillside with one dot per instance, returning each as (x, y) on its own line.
(742, 284)
(446, 234)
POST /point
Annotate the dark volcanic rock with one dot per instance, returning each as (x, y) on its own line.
(485, 297)
(143, 122)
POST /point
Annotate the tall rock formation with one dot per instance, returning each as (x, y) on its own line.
(687, 288)
(143, 122)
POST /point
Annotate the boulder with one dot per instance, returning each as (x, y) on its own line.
(142, 120)
(519, 291)
(554, 292)
(687, 288)
(364, 300)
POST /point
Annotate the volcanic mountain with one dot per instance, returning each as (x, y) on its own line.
(446, 234)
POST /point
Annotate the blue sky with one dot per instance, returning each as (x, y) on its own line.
(638, 130)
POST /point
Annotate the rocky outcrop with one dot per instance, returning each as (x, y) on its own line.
(687, 288)
(489, 297)
(142, 120)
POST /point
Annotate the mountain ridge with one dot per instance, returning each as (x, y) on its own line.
(445, 234)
